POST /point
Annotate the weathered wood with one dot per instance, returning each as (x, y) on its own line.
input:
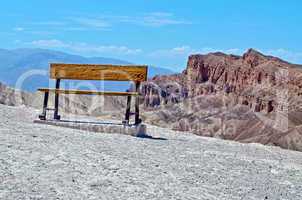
(88, 92)
(98, 72)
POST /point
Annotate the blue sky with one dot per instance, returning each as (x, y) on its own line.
(158, 32)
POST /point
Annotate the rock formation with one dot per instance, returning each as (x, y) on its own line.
(255, 79)
(259, 96)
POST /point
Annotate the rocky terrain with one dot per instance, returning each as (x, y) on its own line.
(75, 104)
(12, 97)
(249, 98)
(46, 162)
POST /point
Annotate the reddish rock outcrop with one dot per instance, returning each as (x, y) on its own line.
(254, 78)
(249, 98)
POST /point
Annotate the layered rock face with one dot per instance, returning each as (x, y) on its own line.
(256, 80)
(249, 98)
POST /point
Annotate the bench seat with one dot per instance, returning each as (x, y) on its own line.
(88, 92)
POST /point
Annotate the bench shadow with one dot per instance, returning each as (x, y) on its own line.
(106, 123)
(151, 137)
(89, 122)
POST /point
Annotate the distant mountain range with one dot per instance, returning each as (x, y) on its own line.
(18, 63)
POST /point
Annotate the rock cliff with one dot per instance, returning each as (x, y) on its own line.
(256, 80)
(249, 98)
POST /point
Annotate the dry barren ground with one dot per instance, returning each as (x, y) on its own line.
(45, 162)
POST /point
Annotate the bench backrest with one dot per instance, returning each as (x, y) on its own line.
(136, 73)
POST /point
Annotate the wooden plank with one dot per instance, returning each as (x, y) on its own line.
(99, 72)
(88, 92)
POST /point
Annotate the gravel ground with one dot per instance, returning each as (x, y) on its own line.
(46, 162)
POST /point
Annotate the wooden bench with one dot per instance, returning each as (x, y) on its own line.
(134, 73)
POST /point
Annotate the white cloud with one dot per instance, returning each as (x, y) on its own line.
(84, 47)
(106, 22)
(181, 50)
(186, 50)
(18, 29)
(155, 19)
(49, 43)
(91, 22)
(173, 52)
(288, 55)
(161, 19)
(50, 23)
(234, 51)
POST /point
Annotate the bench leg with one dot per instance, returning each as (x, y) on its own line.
(137, 119)
(128, 109)
(56, 115)
(44, 112)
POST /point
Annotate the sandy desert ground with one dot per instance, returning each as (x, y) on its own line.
(46, 162)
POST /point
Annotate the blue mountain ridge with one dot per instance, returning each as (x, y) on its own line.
(32, 66)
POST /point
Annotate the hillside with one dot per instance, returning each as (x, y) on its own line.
(75, 104)
(19, 62)
(248, 98)
(45, 162)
